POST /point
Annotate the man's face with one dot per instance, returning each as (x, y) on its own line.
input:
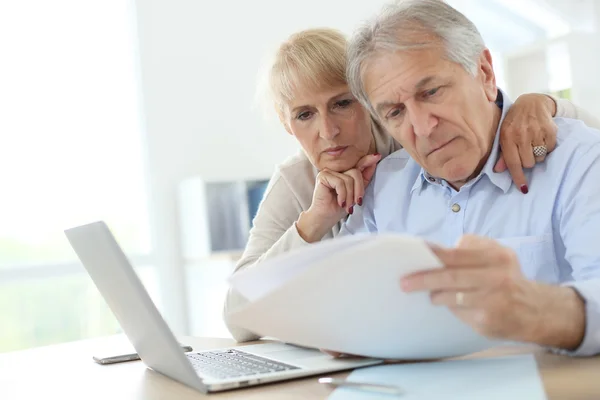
(443, 116)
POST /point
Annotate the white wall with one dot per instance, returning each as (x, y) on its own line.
(199, 61)
(526, 73)
(577, 53)
(584, 49)
(530, 69)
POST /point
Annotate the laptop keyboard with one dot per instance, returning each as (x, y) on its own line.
(234, 363)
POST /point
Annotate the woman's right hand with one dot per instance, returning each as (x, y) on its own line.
(335, 195)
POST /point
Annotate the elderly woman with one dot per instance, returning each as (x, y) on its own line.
(341, 146)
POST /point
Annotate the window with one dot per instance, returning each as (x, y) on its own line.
(70, 153)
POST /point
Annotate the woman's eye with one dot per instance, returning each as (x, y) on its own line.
(303, 116)
(343, 103)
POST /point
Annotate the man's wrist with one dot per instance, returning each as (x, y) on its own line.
(562, 318)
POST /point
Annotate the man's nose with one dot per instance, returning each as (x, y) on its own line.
(422, 120)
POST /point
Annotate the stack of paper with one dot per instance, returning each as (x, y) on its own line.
(511, 377)
(344, 295)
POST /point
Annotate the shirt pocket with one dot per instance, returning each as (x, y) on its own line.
(536, 256)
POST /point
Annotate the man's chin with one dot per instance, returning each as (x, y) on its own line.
(454, 170)
(458, 174)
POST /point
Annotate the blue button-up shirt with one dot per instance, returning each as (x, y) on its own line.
(554, 229)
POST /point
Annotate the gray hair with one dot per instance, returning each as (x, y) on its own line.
(407, 25)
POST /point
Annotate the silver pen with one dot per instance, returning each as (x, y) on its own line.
(371, 387)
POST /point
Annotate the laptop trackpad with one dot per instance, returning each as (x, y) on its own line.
(292, 354)
(284, 352)
(301, 357)
(316, 359)
(273, 349)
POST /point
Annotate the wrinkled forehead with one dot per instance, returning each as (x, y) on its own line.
(403, 73)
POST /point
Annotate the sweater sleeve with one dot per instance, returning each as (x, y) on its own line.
(567, 109)
(274, 232)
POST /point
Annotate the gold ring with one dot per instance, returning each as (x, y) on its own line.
(460, 299)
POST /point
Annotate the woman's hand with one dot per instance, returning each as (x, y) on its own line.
(528, 123)
(335, 195)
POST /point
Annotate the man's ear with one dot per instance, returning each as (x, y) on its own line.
(488, 77)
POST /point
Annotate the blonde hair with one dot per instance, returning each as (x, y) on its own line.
(313, 58)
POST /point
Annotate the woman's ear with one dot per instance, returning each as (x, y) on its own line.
(282, 119)
(287, 128)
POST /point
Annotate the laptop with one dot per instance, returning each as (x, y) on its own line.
(207, 371)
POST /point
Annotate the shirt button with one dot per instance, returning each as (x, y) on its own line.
(455, 207)
(431, 179)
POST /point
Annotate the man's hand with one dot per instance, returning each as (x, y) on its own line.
(482, 284)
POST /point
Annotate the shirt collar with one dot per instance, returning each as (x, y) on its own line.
(501, 179)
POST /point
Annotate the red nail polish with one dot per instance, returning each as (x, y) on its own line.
(360, 201)
(351, 210)
(524, 189)
(376, 154)
(344, 205)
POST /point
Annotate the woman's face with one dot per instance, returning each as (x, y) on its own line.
(332, 127)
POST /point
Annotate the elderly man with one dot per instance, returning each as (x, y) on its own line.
(533, 273)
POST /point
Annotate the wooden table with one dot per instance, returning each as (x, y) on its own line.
(67, 371)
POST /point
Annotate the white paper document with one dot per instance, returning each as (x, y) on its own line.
(511, 377)
(344, 295)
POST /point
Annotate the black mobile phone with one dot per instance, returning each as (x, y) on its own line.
(119, 358)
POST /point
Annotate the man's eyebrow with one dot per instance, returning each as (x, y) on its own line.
(419, 86)
(383, 105)
(423, 82)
